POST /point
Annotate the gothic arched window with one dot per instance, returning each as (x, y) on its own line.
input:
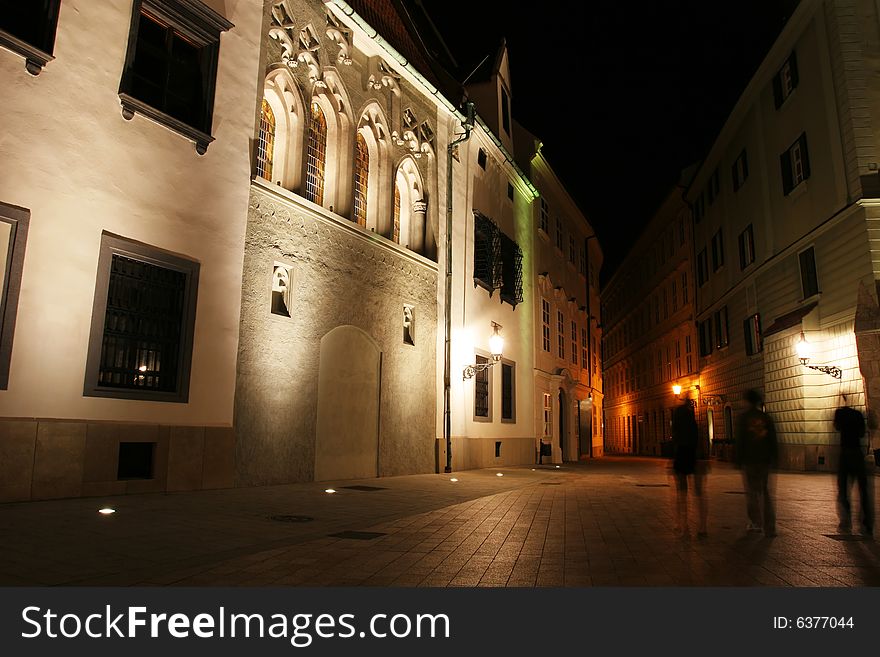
(361, 178)
(396, 220)
(266, 141)
(314, 188)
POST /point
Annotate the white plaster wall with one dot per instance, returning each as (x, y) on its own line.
(69, 156)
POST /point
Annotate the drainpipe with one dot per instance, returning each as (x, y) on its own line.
(447, 300)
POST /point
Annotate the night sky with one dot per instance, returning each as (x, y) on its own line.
(624, 95)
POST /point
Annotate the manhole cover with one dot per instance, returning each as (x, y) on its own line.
(653, 485)
(364, 488)
(287, 518)
(359, 536)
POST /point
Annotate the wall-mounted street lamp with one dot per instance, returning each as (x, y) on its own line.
(496, 346)
(803, 351)
(676, 390)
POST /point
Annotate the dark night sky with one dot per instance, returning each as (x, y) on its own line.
(624, 95)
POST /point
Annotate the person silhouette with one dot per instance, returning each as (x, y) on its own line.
(851, 465)
(756, 455)
(685, 464)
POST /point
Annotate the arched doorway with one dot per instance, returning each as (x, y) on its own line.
(347, 431)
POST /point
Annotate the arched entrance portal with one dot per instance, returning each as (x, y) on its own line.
(347, 431)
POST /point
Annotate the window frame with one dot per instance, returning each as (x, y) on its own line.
(512, 366)
(111, 245)
(787, 73)
(489, 381)
(36, 55)
(814, 289)
(795, 171)
(201, 26)
(18, 219)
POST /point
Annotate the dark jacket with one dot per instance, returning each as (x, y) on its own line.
(851, 425)
(756, 439)
(684, 439)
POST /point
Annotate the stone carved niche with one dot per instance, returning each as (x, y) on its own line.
(416, 138)
(281, 277)
(282, 29)
(409, 324)
(380, 75)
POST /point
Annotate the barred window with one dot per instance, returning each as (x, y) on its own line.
(266, 141)
(487, 253)
(316, 156)
(142, 326)
(511, 271)
(361, 176)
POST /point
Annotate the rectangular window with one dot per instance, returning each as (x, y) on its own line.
(510, 191)
(684, 288)
(28, 28)
(752, 334)
(584, 347)
(545, 324)
(665, 305)
(545, 217)
(572, 249)
(746, 247)
(795, 164)
(714, 187)
(13, 237)
(699, 208)
(505, 110)
(785, 81)
(687, 353)
(583, 262)
(674, 297)
(574, 344)
(481, 159)
(171, 66)
(717, 251)
(721, 332)
(560, 334)
(809, 278)
(706, 337)
(140, 346)
(559, 241)
(677, 358)
(508, 392)
(548, 415)
(740, 170)
(702, 268)
(481, 389)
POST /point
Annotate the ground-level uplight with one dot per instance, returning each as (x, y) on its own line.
(499, 474)
(106, 511)
(453, 479)
(330, 490)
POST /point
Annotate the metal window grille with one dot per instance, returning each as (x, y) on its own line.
(511, 271)
(266, 141)
(481, 389)
(316, 156)
(142, 326)
(361, 177)
(487, 253)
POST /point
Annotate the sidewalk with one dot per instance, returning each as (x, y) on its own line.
(602, 523)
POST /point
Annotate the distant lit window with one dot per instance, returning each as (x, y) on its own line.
(27, 27)
(142, 325)
(545, 324)
(795, 164)
(746, 247)
(361, 176)
(752, 333)
(171, 66)
(317, 152)
(266, 141)
(785, 81)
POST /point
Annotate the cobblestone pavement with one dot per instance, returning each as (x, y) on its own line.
(602, 523)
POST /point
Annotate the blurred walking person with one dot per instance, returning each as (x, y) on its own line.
(851, 465)
(685, 464)
(757, 455)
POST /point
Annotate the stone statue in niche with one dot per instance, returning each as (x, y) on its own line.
(281, 290)
(409, 324)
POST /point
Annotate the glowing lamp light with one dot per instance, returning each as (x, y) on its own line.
(453, 479)
(106, 511)
(496, 343)
(804, 352)
(803, 349)
(499, 474)
(676, 390)
(330, 491)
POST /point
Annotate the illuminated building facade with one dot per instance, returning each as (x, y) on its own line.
(649, 337)
(568, 391)
(785, 206)
(122, 205)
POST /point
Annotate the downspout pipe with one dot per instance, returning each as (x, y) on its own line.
(468, 125)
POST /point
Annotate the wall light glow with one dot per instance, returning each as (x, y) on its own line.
(106, 511)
